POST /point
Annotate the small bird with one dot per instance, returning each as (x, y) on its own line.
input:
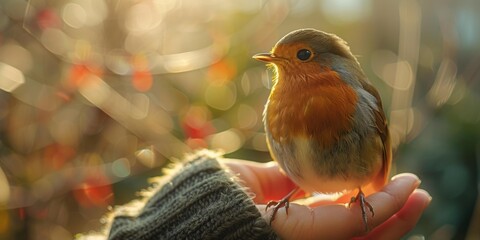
(324, 121)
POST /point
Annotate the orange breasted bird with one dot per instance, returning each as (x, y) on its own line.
(324, 121)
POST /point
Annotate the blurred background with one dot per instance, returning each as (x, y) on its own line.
(97, 95)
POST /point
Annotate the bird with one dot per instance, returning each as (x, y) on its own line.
(324, 121)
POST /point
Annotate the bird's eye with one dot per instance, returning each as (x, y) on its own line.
(304, 54)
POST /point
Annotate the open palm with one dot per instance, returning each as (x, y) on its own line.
(398, 206)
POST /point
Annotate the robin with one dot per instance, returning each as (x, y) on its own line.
(324, 121)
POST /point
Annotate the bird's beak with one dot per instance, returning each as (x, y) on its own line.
(266, 57)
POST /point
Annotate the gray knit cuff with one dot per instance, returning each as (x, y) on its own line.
(201, 201)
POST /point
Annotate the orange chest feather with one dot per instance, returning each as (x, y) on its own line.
(321, 110)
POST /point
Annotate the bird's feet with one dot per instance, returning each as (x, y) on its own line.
(278, 204)
(363, 205)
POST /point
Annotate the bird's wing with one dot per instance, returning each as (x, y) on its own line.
(382, 129)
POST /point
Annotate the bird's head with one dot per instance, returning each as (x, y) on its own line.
(306, 51)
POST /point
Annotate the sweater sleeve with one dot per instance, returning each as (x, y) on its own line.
(198, 199)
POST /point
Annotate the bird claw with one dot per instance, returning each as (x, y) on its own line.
(285, 202)
(363, 205)
(278, 204)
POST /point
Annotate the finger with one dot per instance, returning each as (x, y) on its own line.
(340, 222)
(389, 200)
(264, 179)
(404, 220)
(346, 197)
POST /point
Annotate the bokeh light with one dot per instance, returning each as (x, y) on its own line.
(10, 78)
(74, 15)
(5, 189)
(97, 96)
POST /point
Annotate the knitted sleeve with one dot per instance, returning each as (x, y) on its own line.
(199, 199)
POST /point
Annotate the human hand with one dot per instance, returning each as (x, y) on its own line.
(398, 206)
